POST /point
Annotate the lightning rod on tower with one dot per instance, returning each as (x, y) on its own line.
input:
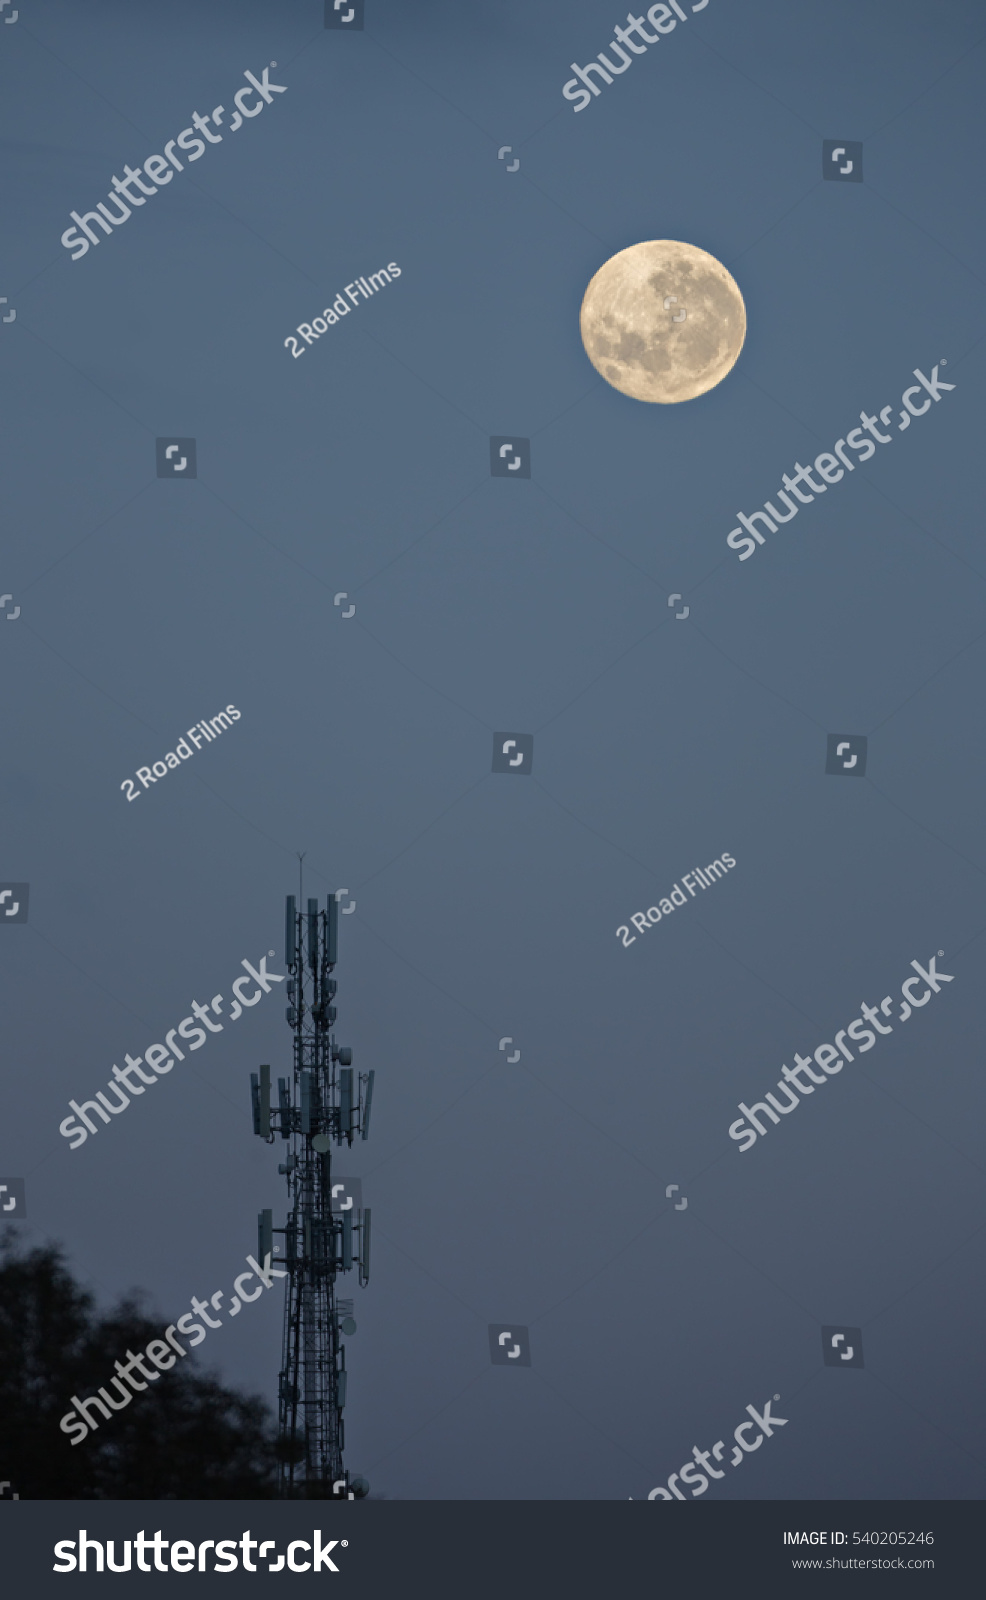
(324, 1103)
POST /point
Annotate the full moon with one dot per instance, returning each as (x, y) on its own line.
(663, 321)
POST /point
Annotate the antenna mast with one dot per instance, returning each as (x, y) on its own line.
(323, 1104)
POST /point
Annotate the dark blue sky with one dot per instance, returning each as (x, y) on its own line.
(487, 904)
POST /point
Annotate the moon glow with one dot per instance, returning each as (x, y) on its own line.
(663, 321)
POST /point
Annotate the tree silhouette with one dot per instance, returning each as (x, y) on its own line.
(187, 1438)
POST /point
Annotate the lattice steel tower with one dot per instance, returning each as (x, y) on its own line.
(325, 1232)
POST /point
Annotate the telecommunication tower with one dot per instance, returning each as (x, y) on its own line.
(323, 1104)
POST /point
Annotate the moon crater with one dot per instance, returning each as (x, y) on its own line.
(663, 321)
